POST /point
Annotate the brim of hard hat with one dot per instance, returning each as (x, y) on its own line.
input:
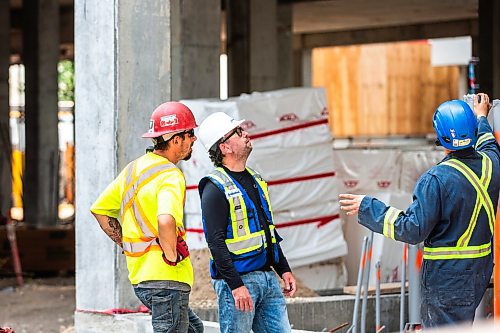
(155, 135)
(234, 124)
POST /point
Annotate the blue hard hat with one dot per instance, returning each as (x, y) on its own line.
(455, 125)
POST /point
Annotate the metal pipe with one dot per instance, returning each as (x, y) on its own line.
(377, 297)
(414, 266)
(11, 235)
(366, 282)
(361, 269)
(403, 290)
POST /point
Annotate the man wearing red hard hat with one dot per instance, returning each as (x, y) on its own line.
(142, 212)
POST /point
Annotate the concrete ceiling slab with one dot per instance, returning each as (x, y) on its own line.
(345, 15)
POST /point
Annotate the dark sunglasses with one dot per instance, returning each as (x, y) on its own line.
(190, 133)
(238, 130)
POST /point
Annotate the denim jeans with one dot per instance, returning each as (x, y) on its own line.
(268, 314)
(170, 310)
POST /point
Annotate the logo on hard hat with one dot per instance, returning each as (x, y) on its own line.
(151, 126)
(169, 120)
(461, 143)
(452, 132)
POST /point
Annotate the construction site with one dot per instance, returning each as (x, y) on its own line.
(336, 98)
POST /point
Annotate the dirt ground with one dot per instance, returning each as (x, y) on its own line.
(40, 306)
(47, 305)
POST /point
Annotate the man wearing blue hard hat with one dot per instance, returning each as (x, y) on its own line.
(453, 213)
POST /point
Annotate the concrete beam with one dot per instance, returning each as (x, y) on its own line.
(5, 144)
(41, 55)
(467, 27)
(130, 57)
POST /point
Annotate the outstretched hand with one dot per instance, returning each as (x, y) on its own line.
(350, 203)
(481, 108)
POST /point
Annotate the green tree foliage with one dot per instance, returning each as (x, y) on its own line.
(66, 79)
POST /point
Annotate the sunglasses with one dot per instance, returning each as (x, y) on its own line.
(238, 130)
(190, 132)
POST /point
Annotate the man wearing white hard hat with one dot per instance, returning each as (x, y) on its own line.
(241, 236)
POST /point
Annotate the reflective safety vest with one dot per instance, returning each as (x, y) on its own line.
(140, 234)
(147, 241)
(463, 250)
(246, 238)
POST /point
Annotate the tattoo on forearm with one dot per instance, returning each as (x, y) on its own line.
(113, 230)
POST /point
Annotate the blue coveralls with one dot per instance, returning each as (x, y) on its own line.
(450, 213)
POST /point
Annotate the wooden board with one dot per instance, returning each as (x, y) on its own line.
(382, 89)
(385, 288)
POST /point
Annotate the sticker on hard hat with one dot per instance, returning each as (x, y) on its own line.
(169, 120)
(151, 126)
(461, 143)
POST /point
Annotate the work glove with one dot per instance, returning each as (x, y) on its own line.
(182, 252)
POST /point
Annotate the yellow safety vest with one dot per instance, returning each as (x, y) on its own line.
(245, 235)
(463, 250)
(144, 255)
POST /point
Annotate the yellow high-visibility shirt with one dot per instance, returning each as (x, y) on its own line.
(162, 195)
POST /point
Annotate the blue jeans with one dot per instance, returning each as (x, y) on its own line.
(268, 314)
(169, 310)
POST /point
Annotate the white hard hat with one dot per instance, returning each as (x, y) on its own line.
(215, 126)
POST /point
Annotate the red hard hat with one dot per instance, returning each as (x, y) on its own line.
(170, 117)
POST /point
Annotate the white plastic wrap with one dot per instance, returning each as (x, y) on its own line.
(292, 151)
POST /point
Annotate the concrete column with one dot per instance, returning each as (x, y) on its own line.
(489, 47)
(40, 56)
(302, 63)
(130, 56)
(5, 145)
(285, 34)
(252, 35)
(306, 67)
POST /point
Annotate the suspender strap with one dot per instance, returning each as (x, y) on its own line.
(480, 185)
(237, 206)
(463, 250)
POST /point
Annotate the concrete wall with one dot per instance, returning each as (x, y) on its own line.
(320, 313)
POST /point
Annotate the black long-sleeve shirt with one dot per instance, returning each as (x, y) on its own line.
(215, 210)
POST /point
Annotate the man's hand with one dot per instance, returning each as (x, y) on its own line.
(350, 203)
(182, 249)
(290, 284)
(482, 108)
(242, 299)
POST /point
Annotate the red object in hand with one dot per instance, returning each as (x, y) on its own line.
(182, 249)
(182, 252)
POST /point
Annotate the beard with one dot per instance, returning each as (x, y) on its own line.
(188, 156)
